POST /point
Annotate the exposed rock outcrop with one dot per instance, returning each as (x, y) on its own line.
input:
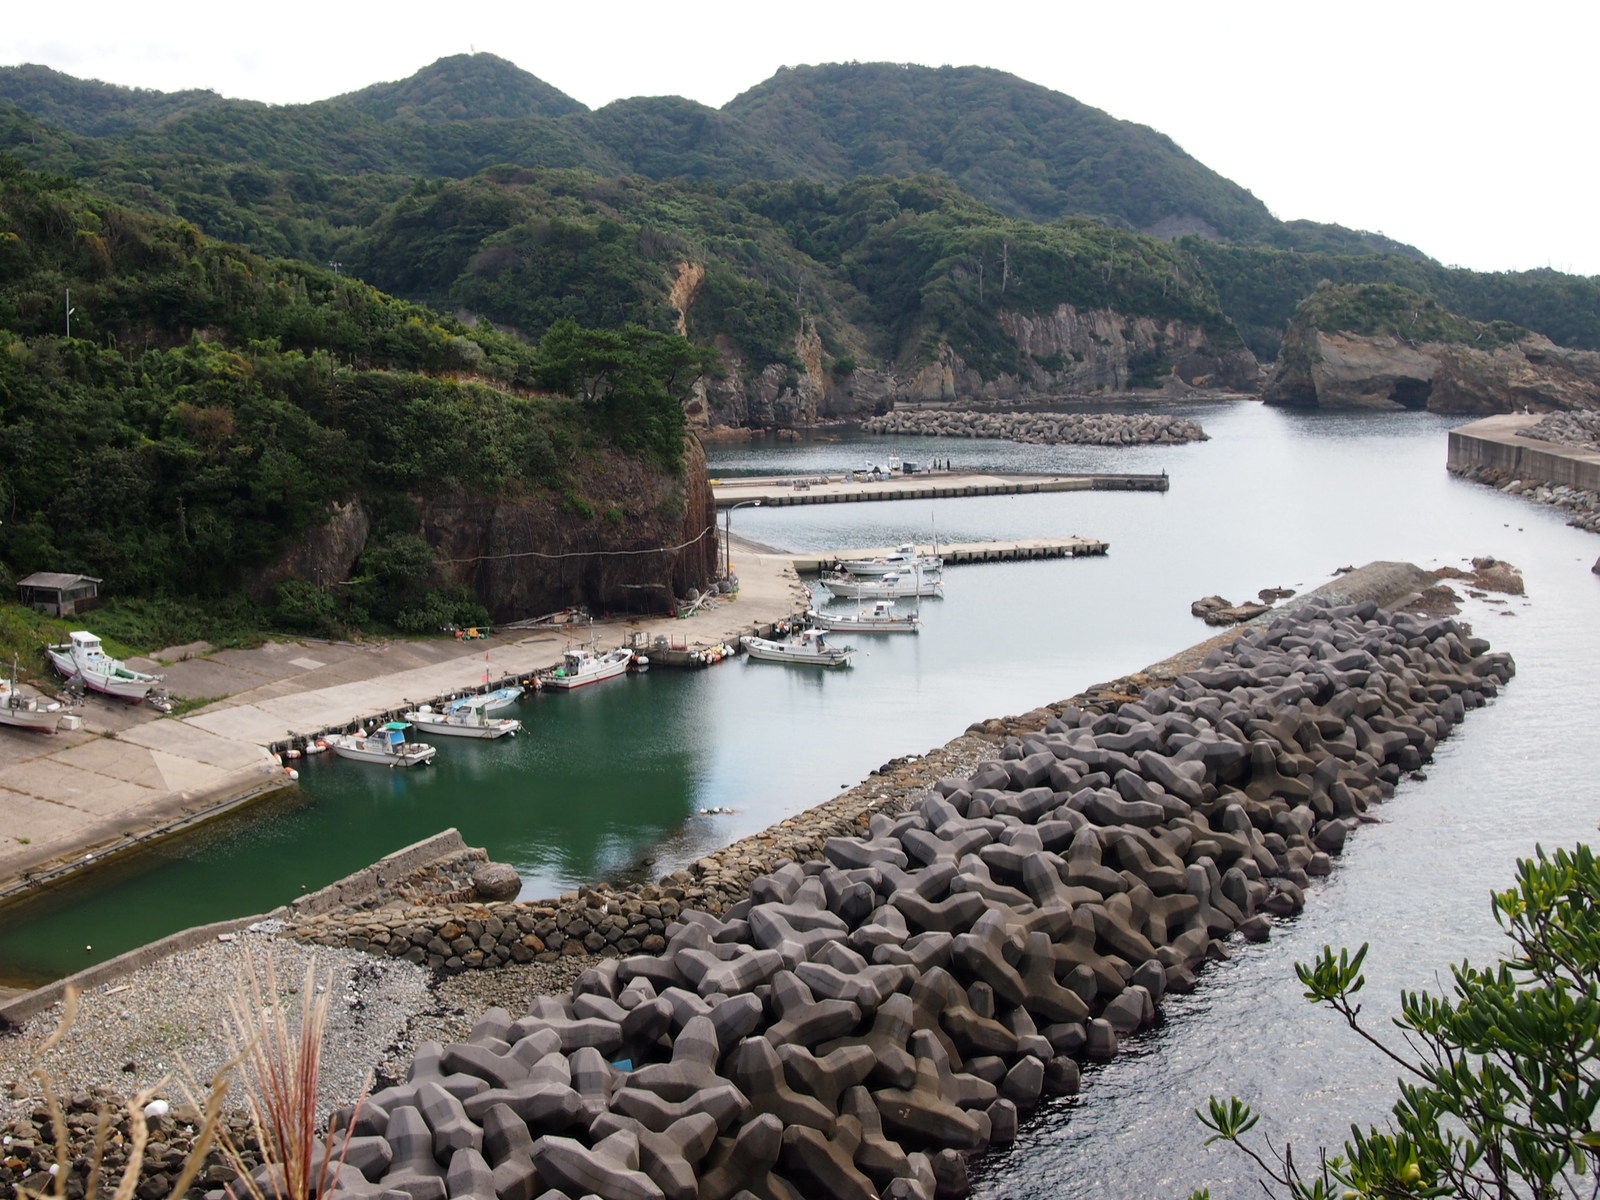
(1065, 352)
(1321, 368)
(625, 537)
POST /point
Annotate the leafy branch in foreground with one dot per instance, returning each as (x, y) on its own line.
(1500, 1084)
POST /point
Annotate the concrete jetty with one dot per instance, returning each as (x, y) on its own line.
(964, 552)
(1495, 442)
(779, 492)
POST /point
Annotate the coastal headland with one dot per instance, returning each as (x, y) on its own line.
(873, 991)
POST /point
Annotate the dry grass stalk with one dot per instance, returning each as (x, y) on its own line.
(280, 1069)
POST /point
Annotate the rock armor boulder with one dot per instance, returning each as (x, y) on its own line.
(865, 1021)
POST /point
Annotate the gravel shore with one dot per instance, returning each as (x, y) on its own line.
(170, 1020)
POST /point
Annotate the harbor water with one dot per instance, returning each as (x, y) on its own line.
(634, 777)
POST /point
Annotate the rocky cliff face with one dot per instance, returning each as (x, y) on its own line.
(1325, 369)
(624, 538)
(778, 396)
(1068, 352)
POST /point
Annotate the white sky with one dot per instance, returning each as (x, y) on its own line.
(1465, 128)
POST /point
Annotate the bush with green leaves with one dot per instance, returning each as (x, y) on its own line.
(1500, 1081)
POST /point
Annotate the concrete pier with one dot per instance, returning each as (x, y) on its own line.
(832, 489)
(1494, 442)
(966, 552)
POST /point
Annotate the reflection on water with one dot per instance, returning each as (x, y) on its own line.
(613, 774)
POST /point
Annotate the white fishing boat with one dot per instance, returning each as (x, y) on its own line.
(581, 666)
(27, 712)
(496, 701)
(808, 648)
(880, 618)
(386, 744)
(461, 719)
(84, 658)
(903, 558)
(883, 587)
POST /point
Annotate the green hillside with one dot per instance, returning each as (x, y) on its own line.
(463, 87)
(210, 405)
(872, 199)
(1027, 150)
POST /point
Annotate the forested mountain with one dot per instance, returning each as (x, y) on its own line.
(894, 219)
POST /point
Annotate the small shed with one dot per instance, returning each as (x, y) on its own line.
(58, 594)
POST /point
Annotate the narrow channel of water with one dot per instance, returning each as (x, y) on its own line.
(615, 774)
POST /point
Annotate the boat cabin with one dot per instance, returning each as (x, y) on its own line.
(58, 594)
(394, 733)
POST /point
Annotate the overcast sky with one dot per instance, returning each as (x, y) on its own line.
(1464, 128)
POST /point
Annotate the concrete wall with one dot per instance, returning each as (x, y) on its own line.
(1493, 442)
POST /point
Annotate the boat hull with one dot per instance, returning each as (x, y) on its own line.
(133, 686)
(868, 589)
(867, 624)
(603, 668)
(39, 720)
(491, 728)
(414, 754)
(763, 650)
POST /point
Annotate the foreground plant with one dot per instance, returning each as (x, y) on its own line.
(1500, 1085)
(280, 1066)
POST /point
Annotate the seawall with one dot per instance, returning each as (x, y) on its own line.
(1492, 443)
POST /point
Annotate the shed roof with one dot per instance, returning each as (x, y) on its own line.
(55, 579)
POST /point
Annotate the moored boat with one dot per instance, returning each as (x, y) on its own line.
(808, 648)
(387, 744)
(496, 701)
(903, 558)
(880, 618)
(460, 719)
(883, 587)
(580, 666)
(84, 658)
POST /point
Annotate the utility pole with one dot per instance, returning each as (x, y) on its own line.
(70, 311)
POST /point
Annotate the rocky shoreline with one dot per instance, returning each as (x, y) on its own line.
(869, 993)
(1582, 504)
(1041, 428)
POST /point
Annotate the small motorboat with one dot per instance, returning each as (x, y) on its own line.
(387, 744)
(903, 558)
(492, 702)
(82, 657)
(883, 587)
(461, 719)
(880, 618)
(808, 648)
(580, 666)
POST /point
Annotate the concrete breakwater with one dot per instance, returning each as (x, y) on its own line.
(1043, 428)
(875, 1009)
